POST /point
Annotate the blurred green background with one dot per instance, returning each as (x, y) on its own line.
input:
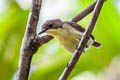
(51, 59)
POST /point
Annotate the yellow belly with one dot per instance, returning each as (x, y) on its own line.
(69, 43)
(68, 38)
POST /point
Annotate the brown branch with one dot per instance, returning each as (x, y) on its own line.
(84, 13)
(83, 42)
(29, 46)
(42, 40)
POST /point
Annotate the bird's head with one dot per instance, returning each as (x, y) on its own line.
(51, 26)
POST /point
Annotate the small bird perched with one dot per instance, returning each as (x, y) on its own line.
(67, 33)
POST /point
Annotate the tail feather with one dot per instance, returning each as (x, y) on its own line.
(96, 44)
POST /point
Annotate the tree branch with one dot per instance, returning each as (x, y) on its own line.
(42, 40)
(83, 42)
(29, 47)
(84, 13)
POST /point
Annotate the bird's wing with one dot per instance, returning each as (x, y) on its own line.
(77, 27)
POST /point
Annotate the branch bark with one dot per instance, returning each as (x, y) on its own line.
(84, 13)
(83, 42)
(29, 44)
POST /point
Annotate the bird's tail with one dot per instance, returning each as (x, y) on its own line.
(96, 44)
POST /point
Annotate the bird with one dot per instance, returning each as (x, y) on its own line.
(67, 33)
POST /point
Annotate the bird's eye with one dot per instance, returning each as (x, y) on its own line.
(50, 26)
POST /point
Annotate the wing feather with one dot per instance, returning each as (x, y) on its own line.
(78, 27)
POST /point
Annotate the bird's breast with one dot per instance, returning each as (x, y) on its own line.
(68, 38)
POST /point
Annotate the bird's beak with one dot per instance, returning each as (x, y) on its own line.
(42, 31)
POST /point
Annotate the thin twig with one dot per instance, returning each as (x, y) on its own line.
(42, 40)
(84, 13)
(83, 42)
(28, 47)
